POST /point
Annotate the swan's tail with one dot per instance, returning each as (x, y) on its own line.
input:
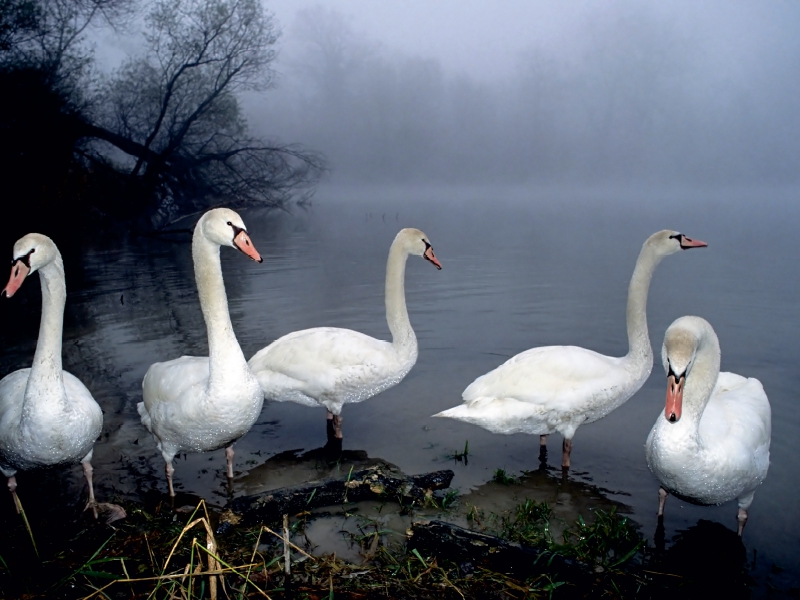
(145, 416)
(500, 415)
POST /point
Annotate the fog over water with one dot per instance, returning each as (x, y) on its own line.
(515, 92)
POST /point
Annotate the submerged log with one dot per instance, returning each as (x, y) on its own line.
(471, 550)
(375, 483)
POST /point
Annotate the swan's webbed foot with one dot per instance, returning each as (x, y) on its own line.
(110, 512)
(741, 517)
(662, 500)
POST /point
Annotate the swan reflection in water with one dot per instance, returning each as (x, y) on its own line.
(707, 560)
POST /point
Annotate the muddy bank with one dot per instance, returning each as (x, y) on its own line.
(533, 535)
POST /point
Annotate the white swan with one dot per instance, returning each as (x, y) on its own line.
(711, 444)
(557, 388)
(199, 404)
(331, 367)
(47, 416)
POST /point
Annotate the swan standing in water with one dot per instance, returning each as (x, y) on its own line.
(199, 404)
(329, 366)
(47, 416)
(558, 388)
(711, 444)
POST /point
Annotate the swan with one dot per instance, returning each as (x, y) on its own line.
(199, 404)
(558, 388)
(329, 366)
(47, 416)
(711, 444)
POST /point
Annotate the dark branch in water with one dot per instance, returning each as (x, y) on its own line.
(378, 482)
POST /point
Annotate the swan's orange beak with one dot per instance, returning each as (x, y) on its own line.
(429, 255)
(19, 271)
(674, 398)
(242, 241)
(687, 243)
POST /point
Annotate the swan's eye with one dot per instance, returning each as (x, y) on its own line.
(229, 223)
(25, 259)
(427, 245)
(682, 239)
(673, 373)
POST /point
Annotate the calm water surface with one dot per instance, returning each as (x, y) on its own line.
(521, 269)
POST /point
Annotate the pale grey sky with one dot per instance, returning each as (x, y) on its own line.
(484, 38)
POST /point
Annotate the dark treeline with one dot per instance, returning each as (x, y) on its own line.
(161, 136)
(629, 94)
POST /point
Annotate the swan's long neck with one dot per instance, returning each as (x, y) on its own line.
(46, 379)
(226, 361)
(701, 380)
(403, 338)
(639, 349)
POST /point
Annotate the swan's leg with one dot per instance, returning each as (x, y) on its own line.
(543, 440)
(566, 449)
(12, 487)
(742, 518)
(170, 470)
(229, 460)
(662, 500)
(87, 472)
(330, 416)
(337, 426)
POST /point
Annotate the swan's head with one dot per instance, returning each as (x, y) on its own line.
(225, 227)
(678, 355)
(31, 253)
(415, 242)
(669, 242)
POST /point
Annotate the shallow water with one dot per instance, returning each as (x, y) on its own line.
(521, 269)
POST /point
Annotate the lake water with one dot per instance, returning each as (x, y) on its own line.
(521, 268)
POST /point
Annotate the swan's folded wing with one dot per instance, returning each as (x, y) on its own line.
(564, 377)
(167, 382)
(12, 391)
(81, 400)
(315, 361)
(738, 420)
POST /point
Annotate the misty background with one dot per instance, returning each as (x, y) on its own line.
(545, 93)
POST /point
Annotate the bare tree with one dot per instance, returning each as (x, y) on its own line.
(175, 113)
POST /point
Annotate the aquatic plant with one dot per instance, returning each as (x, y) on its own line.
(462, 456)
(608, 542)
(500, 476)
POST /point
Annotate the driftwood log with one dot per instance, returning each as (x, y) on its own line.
(375, 483)
(471, 550)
